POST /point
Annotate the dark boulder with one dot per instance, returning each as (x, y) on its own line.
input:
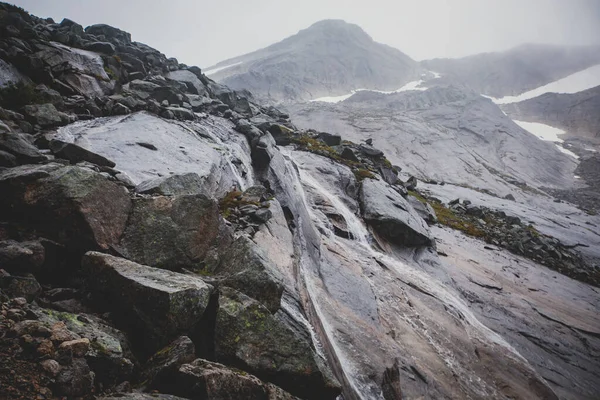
(249, 337)
(154, 305)
(330, 139)
(44, 115)
(243, 266)
(162, 367)
(72, 205)
(391, 215)
(21, 149)
(109, 32)
(173, 232)
(101, 47)
(76, 154)
(21, 257)
(208, 380)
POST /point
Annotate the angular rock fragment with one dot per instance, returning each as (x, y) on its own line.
(154, 304)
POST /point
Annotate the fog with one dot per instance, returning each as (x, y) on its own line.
(206, 32)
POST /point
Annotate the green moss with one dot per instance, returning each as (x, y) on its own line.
(18, 95)
(110, 73)
(362, 174)
(232, 200)
(417, 196)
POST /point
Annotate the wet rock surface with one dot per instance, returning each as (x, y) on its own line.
(142, 165)
(391, 215)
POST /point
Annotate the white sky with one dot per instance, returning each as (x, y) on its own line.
(204, 32)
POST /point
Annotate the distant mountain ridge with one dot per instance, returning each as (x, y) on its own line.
(576, 113)
(330, 58)
(517, 70)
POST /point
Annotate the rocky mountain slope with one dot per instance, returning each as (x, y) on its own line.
(329, 58)
(446, 133)
(517, 70)
(164, 236)
(575, 113)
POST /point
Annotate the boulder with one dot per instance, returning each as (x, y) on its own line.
(173, 185)
(190, 79)
(21, 256)
(23, 151)
(72, 205)
(163, 365)
(249, 337)
(330, 139)
(249, 130)
(243, 266)
(208, 380)
(75, 380)
(76, 154)
(45, 115)
(173, 232)
(181, 113)
(20, 286)
(391, 215)
(424, 210)
(7, 160)
(101, 47)
(370, 150)
(389, 175)
(348, 154)
(153, 304)
(108, 351)
(109, 32)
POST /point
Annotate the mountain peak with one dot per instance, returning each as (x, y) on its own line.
(337, 28)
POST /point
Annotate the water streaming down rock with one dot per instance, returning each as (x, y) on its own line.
(347, 288)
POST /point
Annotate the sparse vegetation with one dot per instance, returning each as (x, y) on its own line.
(18, 95)
(232, 200)
(362, 174)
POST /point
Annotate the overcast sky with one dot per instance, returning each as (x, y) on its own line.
(204, 32)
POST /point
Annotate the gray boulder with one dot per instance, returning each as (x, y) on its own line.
(108, 354)
(192, 82)
(163, 365)
(45, 115)
(21, 256)
(246, 268)
(21, 149)
(101, 47)
(424, 210)
(72, 205)
(155, 305)
(208, 380)
(173, 232)
(173, 185)
(391, 215)
(249, 337)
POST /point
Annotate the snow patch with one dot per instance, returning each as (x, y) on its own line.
(577, 82)
(542, 131)
(213, 71)
(547, 133)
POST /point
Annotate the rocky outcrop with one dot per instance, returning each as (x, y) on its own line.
(391, 215)
(155, 305)
(72, 205)
(574, 113)
(173, 232)
(203, 379)
(251, 338)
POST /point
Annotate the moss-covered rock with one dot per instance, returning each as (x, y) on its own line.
(244, 267)
(173, 232)
(249, 337)
(207, 380)
(154, 305)
(72, 205)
